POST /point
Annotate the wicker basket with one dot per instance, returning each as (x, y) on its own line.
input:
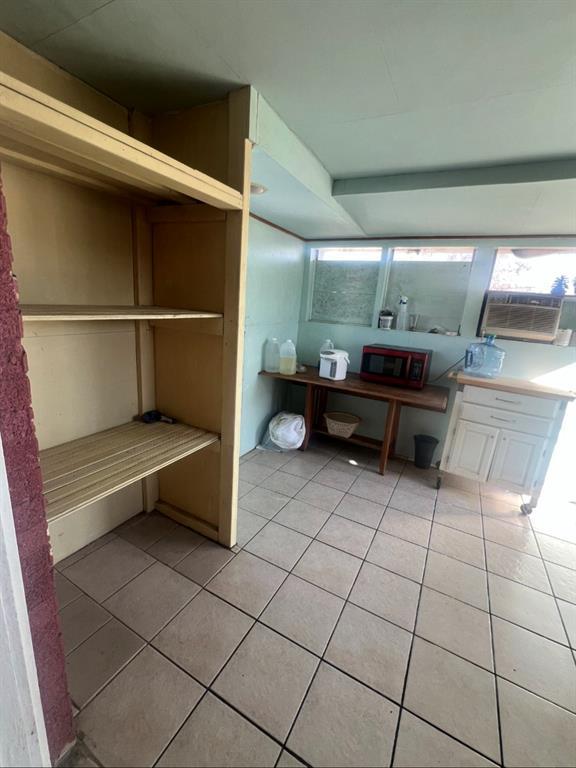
(341, 424)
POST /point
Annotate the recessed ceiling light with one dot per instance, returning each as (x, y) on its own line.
(257, 189)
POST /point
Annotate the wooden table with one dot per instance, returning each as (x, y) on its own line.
(430, 398)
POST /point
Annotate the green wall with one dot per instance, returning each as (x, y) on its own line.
(277, 303)
(273, 298)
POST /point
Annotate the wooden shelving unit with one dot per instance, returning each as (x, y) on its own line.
(83, 471)
(46, 134)
(79, 312)
(106, 227)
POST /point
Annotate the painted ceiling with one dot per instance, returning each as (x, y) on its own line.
(371, 87)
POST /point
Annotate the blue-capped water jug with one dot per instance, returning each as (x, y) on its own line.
(484, 359)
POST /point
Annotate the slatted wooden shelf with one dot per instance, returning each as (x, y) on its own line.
(83, 471)
(65, 312)
(40, 131)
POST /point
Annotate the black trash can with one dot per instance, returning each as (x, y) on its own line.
(424, 447)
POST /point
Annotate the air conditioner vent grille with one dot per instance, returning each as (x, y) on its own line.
(520, 320)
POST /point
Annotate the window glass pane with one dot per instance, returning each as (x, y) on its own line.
(433, 254)
(533, 270)
(345, 283)
(435, 280)
(349, 254)
(539, 270)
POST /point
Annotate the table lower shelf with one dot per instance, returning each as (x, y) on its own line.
(83, 471)
(367, 442)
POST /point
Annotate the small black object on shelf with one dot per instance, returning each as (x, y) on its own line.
(150, 417)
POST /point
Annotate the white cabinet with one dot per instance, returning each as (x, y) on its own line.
(516, 460)
(472, 451)
(503, 436)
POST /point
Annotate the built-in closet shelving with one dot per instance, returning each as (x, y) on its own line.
(76, 312)
(172, 236)
(83, 471)
(47, 134)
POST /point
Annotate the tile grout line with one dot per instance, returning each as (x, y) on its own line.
(188, 716)
(439, 591)
(203, 587)
(484, 570)
(388, 621)
(148, 643)
(320, 660)
(346, 601)
(409, 661)
(493, 647)
(334, 628)
(388, 506)
(555, 598)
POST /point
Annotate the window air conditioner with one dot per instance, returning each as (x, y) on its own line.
(527, 316)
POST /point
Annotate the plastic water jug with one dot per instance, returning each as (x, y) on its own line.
(272, 356)
(484, 359)
(288, 358)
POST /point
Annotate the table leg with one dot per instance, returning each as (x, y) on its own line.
(321, 399)
(308, 415)
(392, 418)
(392, 448)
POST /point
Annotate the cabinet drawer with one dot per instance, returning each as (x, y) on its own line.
(527, 404)
(493, 417)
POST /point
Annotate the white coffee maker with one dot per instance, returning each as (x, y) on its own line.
(334, 364)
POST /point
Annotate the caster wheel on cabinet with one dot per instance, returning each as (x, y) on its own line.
(526, 509)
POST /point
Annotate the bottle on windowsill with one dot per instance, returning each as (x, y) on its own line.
(402, 319)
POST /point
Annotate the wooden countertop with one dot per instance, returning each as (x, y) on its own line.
(517, 386)
(430, 397)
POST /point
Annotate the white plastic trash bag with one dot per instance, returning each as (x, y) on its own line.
(285, 432)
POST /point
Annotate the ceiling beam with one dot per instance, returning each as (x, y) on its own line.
(516, 173)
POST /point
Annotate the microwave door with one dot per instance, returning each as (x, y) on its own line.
(391, 366)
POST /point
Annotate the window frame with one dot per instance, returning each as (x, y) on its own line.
(485, 249)
(311, 278)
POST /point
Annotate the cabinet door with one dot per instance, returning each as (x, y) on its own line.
(472, 450)
(516, 460)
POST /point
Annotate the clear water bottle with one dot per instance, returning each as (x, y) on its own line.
(288, 358)
(402, 319)
(272, 356)
(484, 359)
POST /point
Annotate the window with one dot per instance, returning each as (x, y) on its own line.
(345, 285)
(349, 254)
(435, 280)
(533, 270)
(350, 285)
(539, 270)
(429, 255)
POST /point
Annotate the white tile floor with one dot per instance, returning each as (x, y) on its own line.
(362, 621)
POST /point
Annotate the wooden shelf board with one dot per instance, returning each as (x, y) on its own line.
(39, 129)
(66, 312)
(356, 439)
(83, 471)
